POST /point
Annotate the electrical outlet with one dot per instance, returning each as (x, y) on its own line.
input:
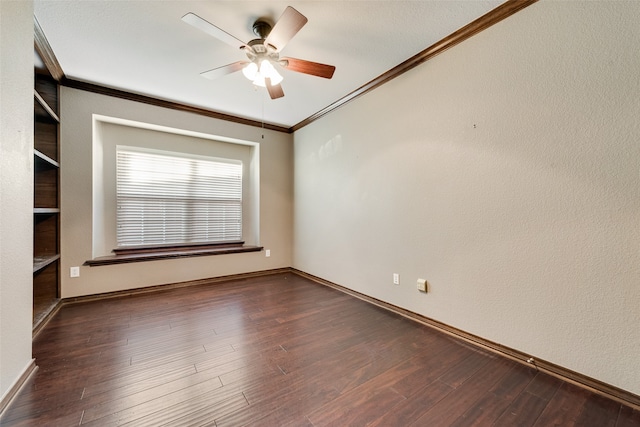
(267, 253)
(74, 272)
(396, 279)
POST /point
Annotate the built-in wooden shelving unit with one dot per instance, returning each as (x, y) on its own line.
(46, 200)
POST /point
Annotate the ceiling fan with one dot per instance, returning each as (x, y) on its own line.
(264, 52)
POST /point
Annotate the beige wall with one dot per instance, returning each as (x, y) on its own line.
(505, 172)
(77, 197)
(16, 189)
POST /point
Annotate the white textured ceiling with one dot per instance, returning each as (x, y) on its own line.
(144, 47)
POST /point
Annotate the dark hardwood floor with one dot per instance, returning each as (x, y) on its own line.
(280, 350)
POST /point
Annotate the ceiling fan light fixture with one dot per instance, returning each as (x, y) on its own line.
(267, 70)
(258, 74)
(250, 71)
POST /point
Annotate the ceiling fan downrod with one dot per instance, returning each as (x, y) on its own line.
(261, 28)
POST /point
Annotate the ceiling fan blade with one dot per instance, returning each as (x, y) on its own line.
(275, 91)
(212, 30)
(287, 26)
(224, 70)
(308, 67)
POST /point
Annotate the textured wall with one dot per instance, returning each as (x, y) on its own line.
(76, 159)
(16, 189)
(504, 171)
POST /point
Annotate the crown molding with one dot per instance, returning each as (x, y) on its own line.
(43, 48)
(117, 93)
(492, 17)
(505, 10)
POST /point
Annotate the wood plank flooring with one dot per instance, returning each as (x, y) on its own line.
(279, 350)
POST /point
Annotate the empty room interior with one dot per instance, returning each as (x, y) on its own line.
(314, 213)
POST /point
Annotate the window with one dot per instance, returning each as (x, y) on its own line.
(172, 198)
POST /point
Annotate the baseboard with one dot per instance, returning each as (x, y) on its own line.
(17, 385)
(591, 384)
(157, 288)
(45, 318)
(38, 326)
(604, 389)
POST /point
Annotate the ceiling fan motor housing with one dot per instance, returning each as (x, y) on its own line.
(261, 28)
(259, 50)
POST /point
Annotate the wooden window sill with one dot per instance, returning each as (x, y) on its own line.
(155, 254)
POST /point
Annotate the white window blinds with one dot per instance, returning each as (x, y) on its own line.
(170, 198)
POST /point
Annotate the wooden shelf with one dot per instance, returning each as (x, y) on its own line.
(46, 106)
(43, 211)
(41, 262)
(46, 194)
(46, 159)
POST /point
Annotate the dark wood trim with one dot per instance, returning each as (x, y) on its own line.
(51, 62)
(116, 93)
(576, 378)
(41, 262)
(169, 254)
(607, 390)
(280, 350)
(17, 386)
(496, 15)
(160, 288)
(46, 53)
(42, 318)
(175, 247)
